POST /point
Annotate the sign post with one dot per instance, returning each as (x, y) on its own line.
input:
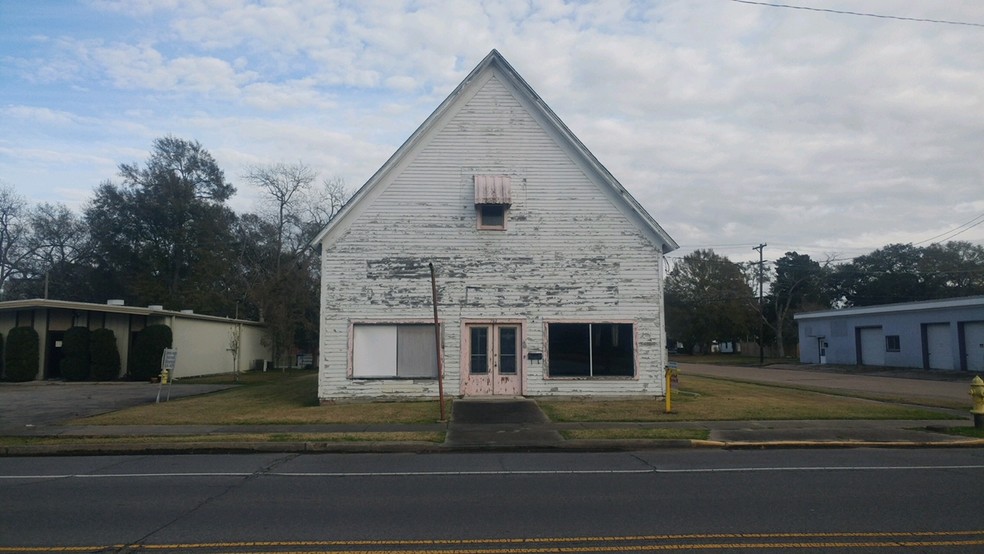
(169, 360)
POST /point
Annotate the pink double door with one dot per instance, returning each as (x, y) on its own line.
(492, 362)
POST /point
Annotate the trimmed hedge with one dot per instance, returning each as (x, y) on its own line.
(75, 362)
(22, 355)
(148, 347)
(104, 355)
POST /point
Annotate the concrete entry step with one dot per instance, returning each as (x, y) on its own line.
(490, 423)
(493, 411)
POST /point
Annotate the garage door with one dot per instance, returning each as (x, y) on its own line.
(872, 346)
(974, 343)
(939, 346)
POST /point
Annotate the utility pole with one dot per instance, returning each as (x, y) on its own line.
(437, 343)
(761, 264)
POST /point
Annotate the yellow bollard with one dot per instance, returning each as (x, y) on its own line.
(671, 375)
(977, 396)
(669, 388)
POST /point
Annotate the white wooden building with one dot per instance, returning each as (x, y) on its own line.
(549, 273)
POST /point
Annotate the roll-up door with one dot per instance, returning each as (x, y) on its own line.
(974, 345)
(939, 346)
(872, 346)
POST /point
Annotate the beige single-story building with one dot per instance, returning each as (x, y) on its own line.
(204, 343)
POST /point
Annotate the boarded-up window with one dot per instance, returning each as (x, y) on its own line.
(394, 351)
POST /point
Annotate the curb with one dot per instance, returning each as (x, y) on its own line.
(418, 447)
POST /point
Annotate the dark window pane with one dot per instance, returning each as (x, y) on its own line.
(493, 215)
(892, 343)
(507, 350)
(612, 351)
(568, 350)
(479, 350)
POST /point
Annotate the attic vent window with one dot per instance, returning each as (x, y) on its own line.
(493, 196)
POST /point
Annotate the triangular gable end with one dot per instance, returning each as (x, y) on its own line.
(465, 90)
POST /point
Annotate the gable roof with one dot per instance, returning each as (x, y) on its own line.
(495, 62)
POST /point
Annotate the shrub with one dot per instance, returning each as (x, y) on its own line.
(104, 355)
(22, 355)
(148, 346)
(75, 354)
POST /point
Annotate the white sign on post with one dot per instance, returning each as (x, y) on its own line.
(169, 360)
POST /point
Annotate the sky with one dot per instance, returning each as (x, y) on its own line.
(733, 123)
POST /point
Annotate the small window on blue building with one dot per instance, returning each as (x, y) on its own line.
(892, 343)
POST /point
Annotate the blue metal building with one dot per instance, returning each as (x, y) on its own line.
(943, 334)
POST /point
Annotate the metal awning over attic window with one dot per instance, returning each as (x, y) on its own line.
(493, 189)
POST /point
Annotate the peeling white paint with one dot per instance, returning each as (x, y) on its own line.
(571, 250)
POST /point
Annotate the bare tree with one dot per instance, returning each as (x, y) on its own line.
(280, 269)
(284, 186)
(235, 340)
(58, 242)
(12, 234)
(324, 203)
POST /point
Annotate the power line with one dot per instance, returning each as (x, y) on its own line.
(862, 14)
(957, 228)
(964, 231)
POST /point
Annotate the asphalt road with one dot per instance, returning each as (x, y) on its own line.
(858, 500)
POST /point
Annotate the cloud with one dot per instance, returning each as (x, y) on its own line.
(731, 123)
(289, 95)
(144, 67)
(39, 116)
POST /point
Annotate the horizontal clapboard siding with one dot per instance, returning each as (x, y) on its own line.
(568, 253)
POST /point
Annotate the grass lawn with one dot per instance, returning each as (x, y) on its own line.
(728, 359)
(291, 398)
(234, 437)
(267, 398)
(705, 399)
(972, 432)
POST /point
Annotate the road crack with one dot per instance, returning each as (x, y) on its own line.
(138, 545)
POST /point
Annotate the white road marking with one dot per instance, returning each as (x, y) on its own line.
(487, 473)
